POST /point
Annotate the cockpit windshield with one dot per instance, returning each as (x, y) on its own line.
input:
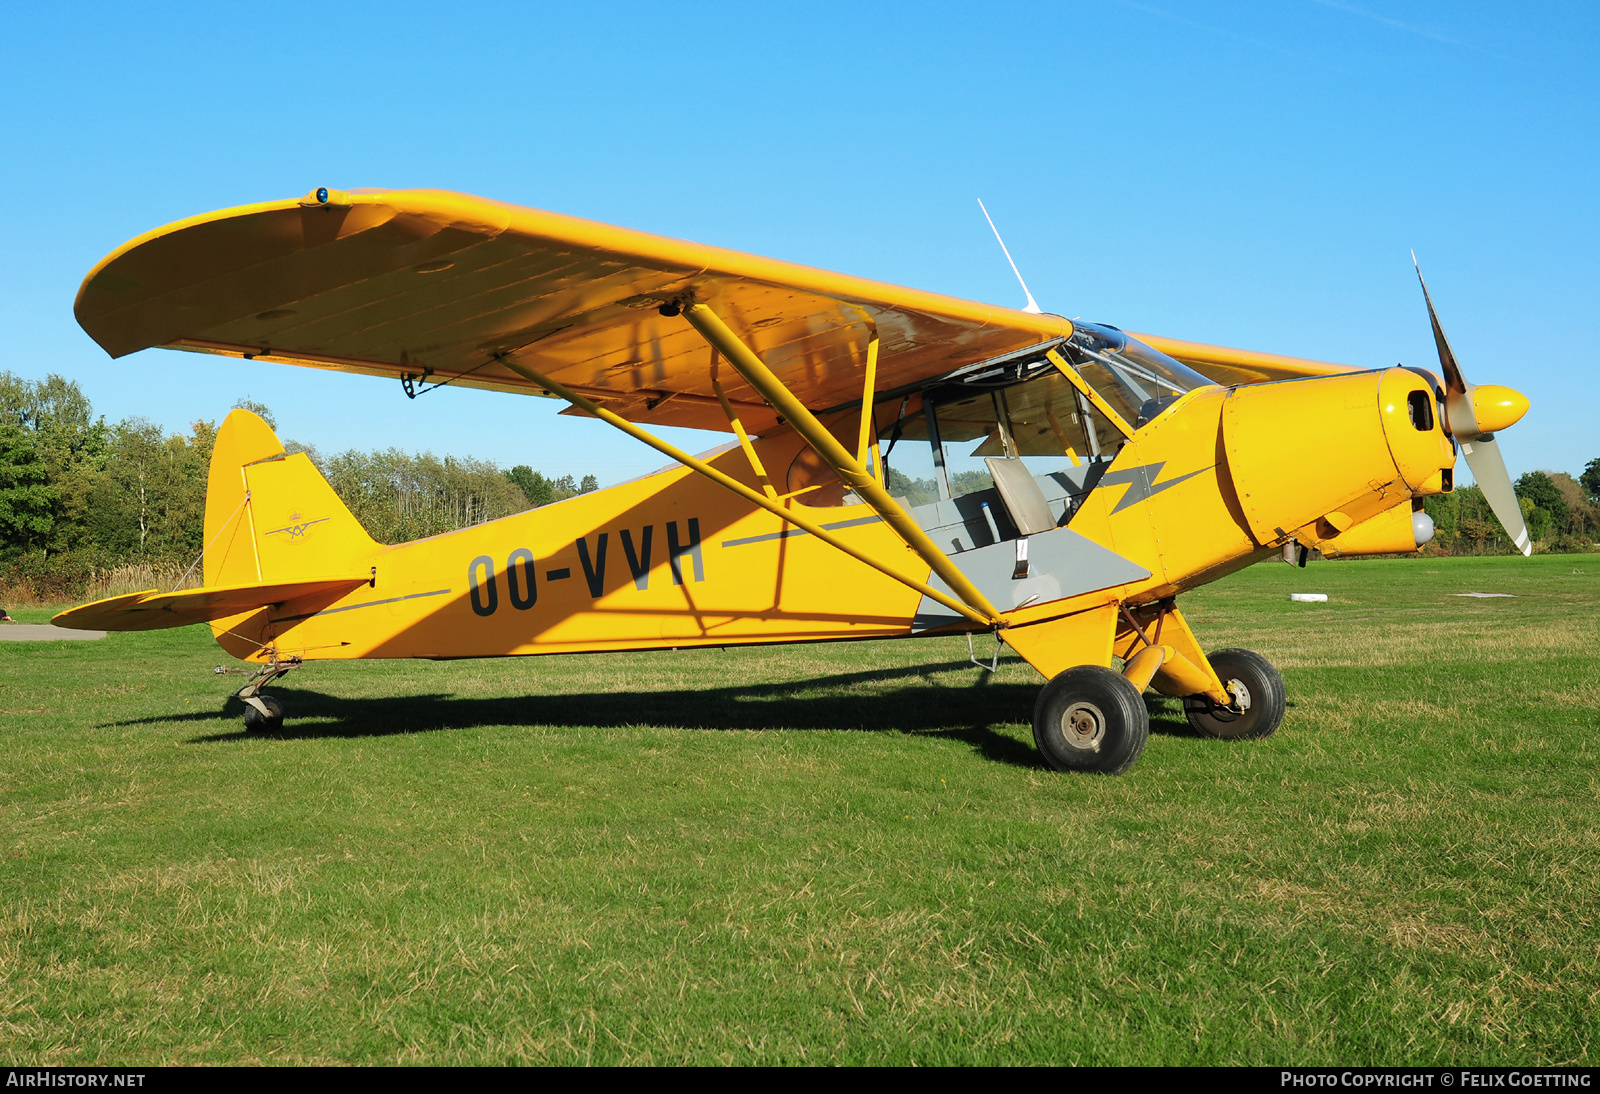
(1139, 382)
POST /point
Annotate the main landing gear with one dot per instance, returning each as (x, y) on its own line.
(264, 715)
(1091, 718)
(1258, 698)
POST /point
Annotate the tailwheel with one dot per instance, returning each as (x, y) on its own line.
(263, 714)
(1090, 718)
(1258, 698)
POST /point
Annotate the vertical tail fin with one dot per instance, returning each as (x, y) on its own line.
(272, 517)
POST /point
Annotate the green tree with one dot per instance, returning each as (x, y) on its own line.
(1538, 487)
(149, 502)
(1582, 523)
(542, 491)
(1543, 507)
(260, 410)
(970, 482)
(399, 497)
(1591, 479)
(294, 447)
(915, 491)
(69, 440)
(534, 486)
(27, 501)
(1465, 524)
(1537, 519)
(1445, 509)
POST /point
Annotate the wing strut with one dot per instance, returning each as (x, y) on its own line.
(846, 466)
(771, 505)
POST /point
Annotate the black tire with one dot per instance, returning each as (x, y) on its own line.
(1259, 688)
(256, 722)
(1090, 718)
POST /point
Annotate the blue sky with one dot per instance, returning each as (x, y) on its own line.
(1251, 174)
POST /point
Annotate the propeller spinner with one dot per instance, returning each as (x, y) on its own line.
(1473, 415)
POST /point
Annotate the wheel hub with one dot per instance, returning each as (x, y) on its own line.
(1240, 693)
(1084, 726)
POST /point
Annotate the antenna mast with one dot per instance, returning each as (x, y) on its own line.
(1032, 305)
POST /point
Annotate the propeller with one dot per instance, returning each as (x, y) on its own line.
(1473, 415)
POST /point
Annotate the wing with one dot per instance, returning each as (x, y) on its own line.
(437, 285)
(1240, 366)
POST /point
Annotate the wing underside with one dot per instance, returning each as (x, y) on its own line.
(440, 287)
(436, 287)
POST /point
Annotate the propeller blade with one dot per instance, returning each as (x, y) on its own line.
(1454, 381)
(1479, 448)
(1489, 469)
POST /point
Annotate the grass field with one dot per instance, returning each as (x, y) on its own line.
(840, 853)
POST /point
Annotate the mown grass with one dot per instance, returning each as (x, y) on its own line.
(821, 854)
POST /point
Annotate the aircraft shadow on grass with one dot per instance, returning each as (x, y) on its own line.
(968, 713)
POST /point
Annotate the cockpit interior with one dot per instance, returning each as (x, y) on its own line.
(1009, 447)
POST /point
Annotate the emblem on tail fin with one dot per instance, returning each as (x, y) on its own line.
(297, 527)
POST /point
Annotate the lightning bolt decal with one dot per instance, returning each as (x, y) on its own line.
(1141, 482)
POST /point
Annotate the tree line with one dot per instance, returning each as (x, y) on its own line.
(1562, 514)
(81, 497)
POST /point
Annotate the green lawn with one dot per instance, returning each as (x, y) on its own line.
(840, 853)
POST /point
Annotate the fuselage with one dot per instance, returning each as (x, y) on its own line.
(1210, 480)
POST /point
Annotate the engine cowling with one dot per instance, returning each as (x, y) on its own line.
(1339, 449)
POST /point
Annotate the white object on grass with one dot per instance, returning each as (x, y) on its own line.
(1486, 596)
(1309, 598)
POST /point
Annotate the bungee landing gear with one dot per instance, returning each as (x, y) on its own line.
(263, 714)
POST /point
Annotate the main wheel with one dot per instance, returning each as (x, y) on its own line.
(1258, 695)
(256, 722)
(1090, 718)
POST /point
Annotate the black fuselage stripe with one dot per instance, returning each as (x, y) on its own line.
(363, 604)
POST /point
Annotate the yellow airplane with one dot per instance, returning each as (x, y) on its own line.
(904, 463)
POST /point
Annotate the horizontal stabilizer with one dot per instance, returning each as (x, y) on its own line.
(152, 610)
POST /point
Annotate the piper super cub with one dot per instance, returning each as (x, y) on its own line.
(1082, 478)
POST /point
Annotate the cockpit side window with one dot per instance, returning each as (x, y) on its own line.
(1042, 420)
(1023, 408)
